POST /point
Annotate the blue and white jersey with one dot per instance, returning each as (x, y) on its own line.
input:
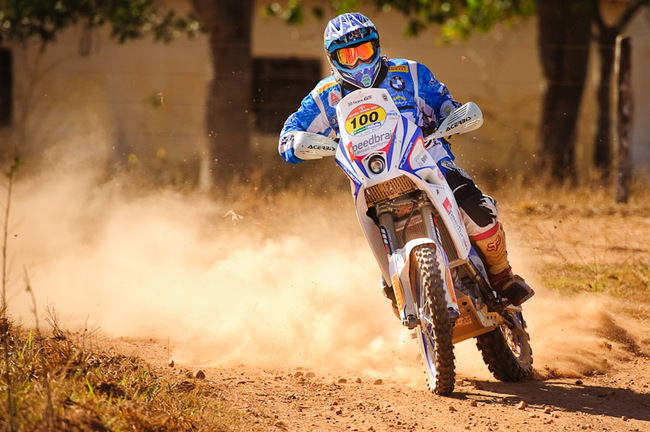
(418, 95)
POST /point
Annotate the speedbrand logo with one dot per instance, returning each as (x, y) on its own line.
(374, 139)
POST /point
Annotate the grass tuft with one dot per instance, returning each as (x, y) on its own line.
(629, 280)
(96, 391)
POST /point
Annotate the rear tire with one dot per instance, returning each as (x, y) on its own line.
(434, 333)
(507, 351)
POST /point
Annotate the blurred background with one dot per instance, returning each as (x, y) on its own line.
(193, 94)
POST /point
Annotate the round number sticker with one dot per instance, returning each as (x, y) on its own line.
(365, 119)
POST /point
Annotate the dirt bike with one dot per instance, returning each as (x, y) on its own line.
(413, 224)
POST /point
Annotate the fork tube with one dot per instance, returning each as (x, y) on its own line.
(387, 229)
(428, 219)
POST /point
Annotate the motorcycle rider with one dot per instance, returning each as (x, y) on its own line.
(353, 51)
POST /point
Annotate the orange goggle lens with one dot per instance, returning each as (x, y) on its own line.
(351, 55)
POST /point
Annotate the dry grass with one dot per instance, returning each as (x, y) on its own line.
(629, 280)
(95, 391)
(600, 246)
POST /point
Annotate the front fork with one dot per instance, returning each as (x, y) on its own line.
(399, 246)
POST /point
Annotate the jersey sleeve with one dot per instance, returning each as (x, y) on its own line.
(435, 100)
(310, 117)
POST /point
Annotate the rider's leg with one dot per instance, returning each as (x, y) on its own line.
(490, 240)
(480, 216)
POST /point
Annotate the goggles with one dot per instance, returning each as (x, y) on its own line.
(351, 56)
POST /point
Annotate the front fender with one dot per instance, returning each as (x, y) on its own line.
(399, 267)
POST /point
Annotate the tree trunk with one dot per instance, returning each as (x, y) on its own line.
(602, 141)
(624, 118)
(563, 41)
(228, 23)
(606, 45)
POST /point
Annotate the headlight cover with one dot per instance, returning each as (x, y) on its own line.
(376, 164)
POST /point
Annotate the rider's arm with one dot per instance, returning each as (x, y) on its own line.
(436, 103)
(434, 99)
(310, 117)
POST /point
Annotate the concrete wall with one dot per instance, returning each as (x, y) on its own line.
(139, 102)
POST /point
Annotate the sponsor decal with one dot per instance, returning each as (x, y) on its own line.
(402, 68)
(399, 100)
(365, 119)
(334, 99)
(356, 101)
(366, 80)
(399, 293)
(325, 86)
(457, 123)
(286, 142)
(434, 224)
(422, 158)
(397, 83)
(385, 236)
(494, 246)
(447, 205)
(419, 155)
(374, 141)
(450, 286)
(321, 147)
(354, 35)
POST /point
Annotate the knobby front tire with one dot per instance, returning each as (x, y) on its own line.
(434, 331)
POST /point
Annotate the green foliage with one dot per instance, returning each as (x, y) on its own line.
(42, 20)
(457, 18)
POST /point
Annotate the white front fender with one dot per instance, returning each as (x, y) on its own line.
(400, 265)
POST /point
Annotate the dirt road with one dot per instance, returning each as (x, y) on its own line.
(300, 399)
(592, 363)
(289, 327)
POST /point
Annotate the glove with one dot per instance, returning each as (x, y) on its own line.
(286, 148)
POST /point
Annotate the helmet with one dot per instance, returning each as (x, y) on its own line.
(352, 45)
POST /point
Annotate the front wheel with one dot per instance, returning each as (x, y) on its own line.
(434, 332)
(507, 351)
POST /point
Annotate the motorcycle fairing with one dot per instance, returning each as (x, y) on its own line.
(369, 128)
(405, 155)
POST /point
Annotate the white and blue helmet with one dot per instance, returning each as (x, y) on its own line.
(352, 45)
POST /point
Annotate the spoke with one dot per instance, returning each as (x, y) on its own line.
(425, 318)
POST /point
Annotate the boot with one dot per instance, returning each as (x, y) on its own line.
(492, 246)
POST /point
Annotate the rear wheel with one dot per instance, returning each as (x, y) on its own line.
(434, 333)
(507, 351)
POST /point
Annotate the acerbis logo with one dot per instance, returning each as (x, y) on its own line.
(458, 123)
(320, 147)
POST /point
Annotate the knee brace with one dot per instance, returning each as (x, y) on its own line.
(479, 214)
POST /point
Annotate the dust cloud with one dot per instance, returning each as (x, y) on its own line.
(268, 289)
(276, 287)
(577, 335)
